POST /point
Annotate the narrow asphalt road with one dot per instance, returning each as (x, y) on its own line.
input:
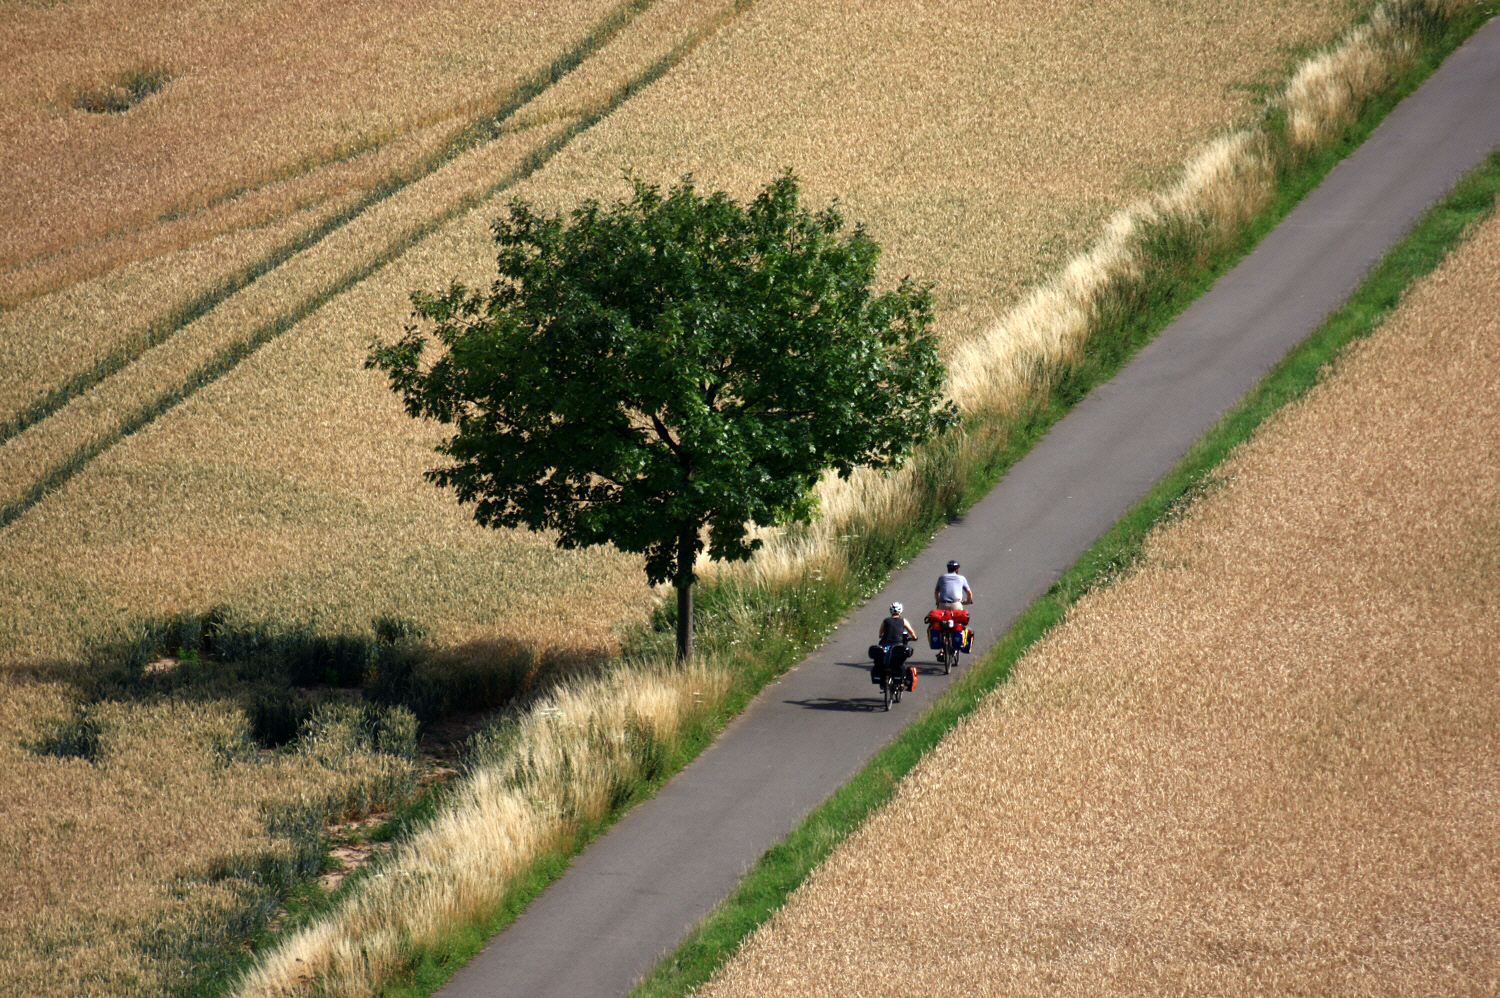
(635, 892)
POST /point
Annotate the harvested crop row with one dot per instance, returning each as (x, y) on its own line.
(1263, 763)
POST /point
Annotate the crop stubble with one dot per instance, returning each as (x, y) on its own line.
(1266, 762)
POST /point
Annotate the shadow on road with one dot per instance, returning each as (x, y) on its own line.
(858, 705)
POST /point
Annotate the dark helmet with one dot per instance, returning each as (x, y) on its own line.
(952, 566)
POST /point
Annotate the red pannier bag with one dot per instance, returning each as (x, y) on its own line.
(934, 621)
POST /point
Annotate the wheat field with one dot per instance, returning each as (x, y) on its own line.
(341, 950)
(289, 489)
(1264, 763)
(108, 862)
(510, 579)
(257, 95)
(980, 143)
(187, 499)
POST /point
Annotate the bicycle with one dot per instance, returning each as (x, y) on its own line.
(892, 677)
(947, 632)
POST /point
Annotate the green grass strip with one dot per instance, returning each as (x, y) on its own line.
(784, 866)
(230, 357)
(488, 126)
(797, 618)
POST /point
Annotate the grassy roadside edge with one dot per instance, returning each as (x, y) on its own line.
(785, 865)
(793, 615)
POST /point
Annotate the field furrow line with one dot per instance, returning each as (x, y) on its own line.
(144, 388)
(487, 127)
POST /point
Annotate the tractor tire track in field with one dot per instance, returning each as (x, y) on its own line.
(483, 131)
(633, 893)
(484, 128)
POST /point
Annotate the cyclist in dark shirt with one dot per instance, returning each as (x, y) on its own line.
(892, 652)
(894, 629)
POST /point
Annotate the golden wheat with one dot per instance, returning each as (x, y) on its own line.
(379, 232)
(257, 94)
(46, 341)
(313, 273)
(332, 948)
(995, 369)
(369, 565)
(289, 489)
(100, 857)
(1266, 762)
(569, 751)
(980, 143)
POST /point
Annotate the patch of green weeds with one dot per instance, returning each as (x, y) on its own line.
(124, 91)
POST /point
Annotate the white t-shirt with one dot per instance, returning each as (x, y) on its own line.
(950, 587)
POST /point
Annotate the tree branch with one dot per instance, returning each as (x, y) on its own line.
(666, 436)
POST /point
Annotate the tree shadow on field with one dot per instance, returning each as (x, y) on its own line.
(490, 673)
(281, 673)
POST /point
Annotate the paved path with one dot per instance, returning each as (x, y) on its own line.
(636, 891)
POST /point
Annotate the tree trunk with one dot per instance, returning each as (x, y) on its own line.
(687, 553)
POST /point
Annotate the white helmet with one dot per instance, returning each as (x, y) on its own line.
(897, 609)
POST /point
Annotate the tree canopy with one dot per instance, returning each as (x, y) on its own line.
(664, 372)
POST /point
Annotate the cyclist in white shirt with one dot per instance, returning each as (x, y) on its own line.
(952, 590)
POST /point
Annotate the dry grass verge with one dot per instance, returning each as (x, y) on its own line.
(1265, 762)
(561, 766)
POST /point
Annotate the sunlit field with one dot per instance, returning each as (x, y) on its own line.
(121, 854)
(980, 143)
(1264, 763)
(186, 427)
(1061, 118)
(313, 399)
(257, 110)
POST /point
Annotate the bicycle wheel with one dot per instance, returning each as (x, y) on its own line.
(950, 651)
(885, 688)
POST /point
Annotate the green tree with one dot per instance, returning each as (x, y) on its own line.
(662, 373)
